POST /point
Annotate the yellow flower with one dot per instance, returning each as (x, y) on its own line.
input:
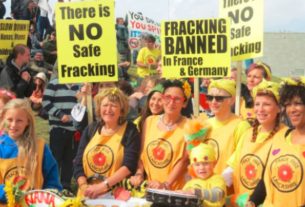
(187, 89)
(72, 202)
(9, 194)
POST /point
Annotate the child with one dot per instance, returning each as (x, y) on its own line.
(24, 158)
(40, 82)
(205, 184)
(5, 96)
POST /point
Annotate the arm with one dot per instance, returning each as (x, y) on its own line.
(259, 194)
(50, 170)
(48, 99)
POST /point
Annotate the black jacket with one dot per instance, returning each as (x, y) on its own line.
(10, 79)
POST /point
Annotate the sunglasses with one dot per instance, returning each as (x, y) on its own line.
(175, 99)
(217, 98)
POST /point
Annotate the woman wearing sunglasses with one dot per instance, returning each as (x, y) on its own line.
(283, 183)
(226, 127)
(164, 157)
(252, 151)
(255, 74)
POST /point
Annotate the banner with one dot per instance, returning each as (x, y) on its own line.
(138, 24)
(12, 32)
(86, 42)
(247, 30)
(195, 48)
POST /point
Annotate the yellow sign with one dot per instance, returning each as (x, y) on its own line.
(195, 48)
(86, 42)
(247, 30)
(12, 32)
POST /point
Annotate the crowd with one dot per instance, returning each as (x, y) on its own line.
(139, 133)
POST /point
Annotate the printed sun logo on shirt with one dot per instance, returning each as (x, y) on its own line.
(287, 173)
(15, 175)
(150, 59)
(100, 158)
(251, 168)
(215, 145)
(159, 153)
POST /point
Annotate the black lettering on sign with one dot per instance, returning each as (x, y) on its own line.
(93, 31)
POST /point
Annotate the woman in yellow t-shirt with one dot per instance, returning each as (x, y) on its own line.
(252, 151)
(283, 183)
(164, 158)
(255, 74)
(225, 128)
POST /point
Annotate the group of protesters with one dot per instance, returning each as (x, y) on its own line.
(146, 135)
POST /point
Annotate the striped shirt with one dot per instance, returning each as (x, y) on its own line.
(58, 100)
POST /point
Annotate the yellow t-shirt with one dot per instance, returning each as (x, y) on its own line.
(208, 184)
(162, 150)
(224, 137)
(250, 160)
(147, 56)
(284, 175)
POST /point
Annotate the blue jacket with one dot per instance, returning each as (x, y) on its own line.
(9, 149)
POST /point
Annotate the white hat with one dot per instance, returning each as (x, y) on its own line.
(41, 76)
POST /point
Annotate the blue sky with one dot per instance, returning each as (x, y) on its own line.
(280, 15)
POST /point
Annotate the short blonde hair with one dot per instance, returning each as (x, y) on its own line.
(114, 95)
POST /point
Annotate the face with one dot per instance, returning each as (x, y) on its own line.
(25, 57)
(203, 170)
(150, 44)
(266, 110)
(38, 81)
(155, 103)
(38, 56)
(295, 110)
(159, 68)
(149, 85)
(17, 122)
(234, 75)
(221, 106)
(173, 100)
(110, 111)
(254, 77)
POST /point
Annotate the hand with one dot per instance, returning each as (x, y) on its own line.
(95, 190)
(227, 175)
(26, 76)
(65, 118)
(155, 184)
(136, 180)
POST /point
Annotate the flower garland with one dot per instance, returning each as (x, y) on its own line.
(72, 202)
(9, 194)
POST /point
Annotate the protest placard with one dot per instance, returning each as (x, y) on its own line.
(86, 42)
(247, 30)
(195, 48)
(12, 32)
(139, 24)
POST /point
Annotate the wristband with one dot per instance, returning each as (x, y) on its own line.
(107, 184)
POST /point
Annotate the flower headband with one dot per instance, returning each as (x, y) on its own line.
(269, 86)
(7, 93)
(294, 81)
(187, 89)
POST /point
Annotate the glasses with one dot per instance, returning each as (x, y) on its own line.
(175, 99)
(217, 98)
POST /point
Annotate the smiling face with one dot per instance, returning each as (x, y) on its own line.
(17, 121)
(203, 170)
(254, 77)
(110, 111)
(295, 110)
(220, 107)
(155, 103)
(266, 110)
(173, 100)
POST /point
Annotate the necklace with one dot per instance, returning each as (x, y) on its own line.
(109, 131)
(169, 127)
